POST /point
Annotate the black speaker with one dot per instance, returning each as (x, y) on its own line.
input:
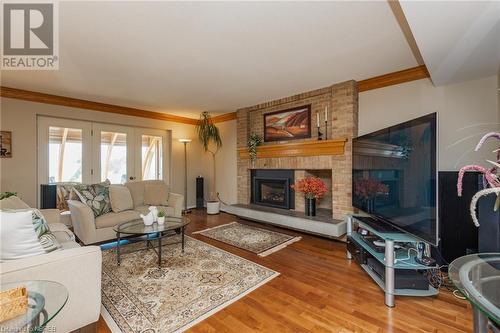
(459, 235)
(489, 224)
(48, 196)
(200, 202)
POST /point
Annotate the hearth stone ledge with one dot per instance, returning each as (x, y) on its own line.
(322, 226)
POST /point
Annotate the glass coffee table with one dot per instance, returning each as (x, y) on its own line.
(45, 300)
(477, 276)
(137, 231)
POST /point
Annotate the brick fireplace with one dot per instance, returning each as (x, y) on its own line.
(334, 168)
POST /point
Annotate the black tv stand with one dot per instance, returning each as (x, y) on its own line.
(376, 225)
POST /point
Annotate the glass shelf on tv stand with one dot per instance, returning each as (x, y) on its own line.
(399, 259)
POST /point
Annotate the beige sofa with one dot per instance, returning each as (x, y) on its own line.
(90, 229)
(77, 268)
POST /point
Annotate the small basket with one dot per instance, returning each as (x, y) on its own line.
(13, 303)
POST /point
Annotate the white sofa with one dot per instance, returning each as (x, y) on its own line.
(77, 268)
(91, 230)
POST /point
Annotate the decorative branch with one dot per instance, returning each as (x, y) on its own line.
(476, 197)
(490, 178)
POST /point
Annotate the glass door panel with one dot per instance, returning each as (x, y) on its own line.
(152, 155)
(64, 151)
(114, 157)
(113, 153)
(151, 146)
(65, 154)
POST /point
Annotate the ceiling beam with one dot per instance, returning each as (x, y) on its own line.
(406, 75)
(405, 28)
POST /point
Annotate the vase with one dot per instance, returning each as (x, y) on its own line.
(311, 207)
(161, 220)
(213, 207)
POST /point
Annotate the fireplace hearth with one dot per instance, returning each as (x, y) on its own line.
(272, 188)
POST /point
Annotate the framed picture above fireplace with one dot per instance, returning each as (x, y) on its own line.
(289, 124)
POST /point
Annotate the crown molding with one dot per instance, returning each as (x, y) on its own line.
(407, 75)
(224, 117)
(37, 97)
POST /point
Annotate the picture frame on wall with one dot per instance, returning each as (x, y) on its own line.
(289, 124)
(5, 144)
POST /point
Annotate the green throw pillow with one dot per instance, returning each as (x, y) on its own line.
(45, 236)
(96, 196)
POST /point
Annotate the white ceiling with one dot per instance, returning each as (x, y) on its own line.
(185, 57)
(459, 41)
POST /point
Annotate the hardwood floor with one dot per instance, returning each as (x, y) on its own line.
(319, 290)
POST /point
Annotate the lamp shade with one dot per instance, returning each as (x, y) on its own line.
(184, 140)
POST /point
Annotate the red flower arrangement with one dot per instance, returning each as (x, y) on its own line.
(312, 187)
(369, 188)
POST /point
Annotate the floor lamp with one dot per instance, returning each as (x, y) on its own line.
(185, 142)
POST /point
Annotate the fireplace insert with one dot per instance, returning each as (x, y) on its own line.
(272, 188)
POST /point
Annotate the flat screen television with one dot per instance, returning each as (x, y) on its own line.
(395, 177)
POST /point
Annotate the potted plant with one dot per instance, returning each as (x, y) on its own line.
(313, 188)
(209, 136)
(161, 217)
(253, 142)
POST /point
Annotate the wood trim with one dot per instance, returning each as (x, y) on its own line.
(406, 75)
(224, 117)
(37, 97)
(306, 148)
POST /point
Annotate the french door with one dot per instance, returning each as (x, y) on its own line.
(151, 146)
(114, 152)
(64, 151)
(87, 152)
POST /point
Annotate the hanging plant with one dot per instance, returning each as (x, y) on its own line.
(253, 142)
(210, 139)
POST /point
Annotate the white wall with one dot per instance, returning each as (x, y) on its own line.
(225, 165)
(465, 110)
(19, 173)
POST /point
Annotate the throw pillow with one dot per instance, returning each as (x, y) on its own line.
(96, 196)
(156, 194)
(64, 191)
(13, 203)
(120, 198)
(25, 233)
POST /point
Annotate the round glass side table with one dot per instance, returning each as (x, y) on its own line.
(477, 276)
(45, 300)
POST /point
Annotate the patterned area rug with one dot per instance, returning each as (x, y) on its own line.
(260, 241)
(138, 296)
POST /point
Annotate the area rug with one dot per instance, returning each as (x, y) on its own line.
(137, 296)
(260, 241)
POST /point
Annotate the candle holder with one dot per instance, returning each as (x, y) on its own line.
(320, 135)
(326, 129)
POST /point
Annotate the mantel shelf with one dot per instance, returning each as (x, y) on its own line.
(304, 148)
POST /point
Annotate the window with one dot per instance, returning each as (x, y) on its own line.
(65, 154)
(114, 157)
(152, 155)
